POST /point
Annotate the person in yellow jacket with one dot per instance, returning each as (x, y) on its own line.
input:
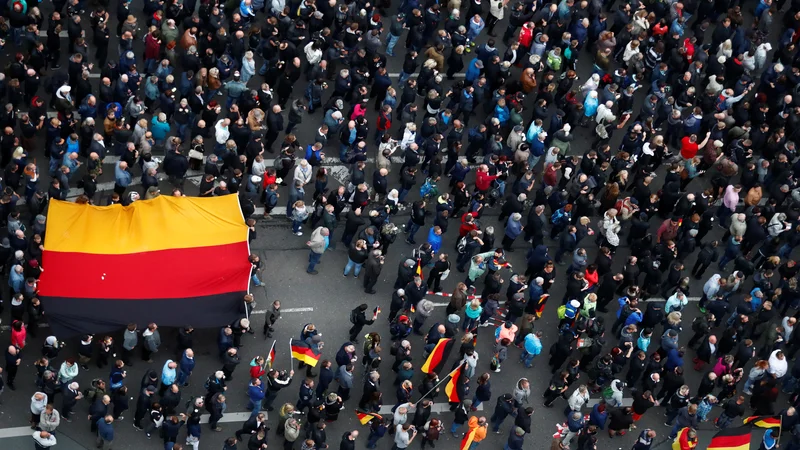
(476, 433)
(685, 440)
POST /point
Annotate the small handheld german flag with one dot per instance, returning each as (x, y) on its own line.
(304, 353)
(365, 418)
(764, 421)
(271, 355)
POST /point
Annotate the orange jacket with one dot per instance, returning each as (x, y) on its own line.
(480, 431)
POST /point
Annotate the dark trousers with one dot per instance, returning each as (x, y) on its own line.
(369, 283)
(146, 354)
(355, 330)
(11, 374)
(698, 269)
(126, 356)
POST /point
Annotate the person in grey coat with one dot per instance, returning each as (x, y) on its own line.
(129, 341)
(152, 340)
(345, 378)
(424, 310)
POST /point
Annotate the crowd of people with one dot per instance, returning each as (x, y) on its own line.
(717, 80)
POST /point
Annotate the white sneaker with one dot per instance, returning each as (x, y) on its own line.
(299, 233)
(497, 370)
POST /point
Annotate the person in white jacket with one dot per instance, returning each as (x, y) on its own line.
(676, 303)
(313, 55)
(38, 404)
(43, 439)
(777, 364)
(303, 172)
(579, 398)
(221, 134)
(409, 135)
(49, 419)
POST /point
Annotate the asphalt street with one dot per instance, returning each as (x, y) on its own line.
(326, 300)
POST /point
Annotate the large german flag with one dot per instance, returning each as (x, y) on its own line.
(764, 421)
(438, 356)
(170, 260)
(453, 387)
(304, 353)
(731, 439)
(468, 439)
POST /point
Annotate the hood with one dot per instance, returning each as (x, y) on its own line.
(63, 92)
(473, 422)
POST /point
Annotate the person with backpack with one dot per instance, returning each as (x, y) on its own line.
(359, 319)
(560, 219)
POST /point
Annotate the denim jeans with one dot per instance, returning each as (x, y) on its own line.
(16, 36)
(391, 41)
(313, 260)
(343, 152)
(351, 265)
(469, 323)
(455, 427)
(150, 65)
(475, 402)
(527, 358)
(296, 225)
(412, 229)
(255, 407)
(256, 281)
(230, 101)
(789, 382)
(403, 77)
(182, 379)
(401, 197)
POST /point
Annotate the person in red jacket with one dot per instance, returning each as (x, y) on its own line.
(152, 50)
(483, 181)
(257, 367)
(384, 123)
(467, 224)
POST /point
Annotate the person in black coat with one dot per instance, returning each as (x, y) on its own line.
(636, 368)
(513, 204)
(503, 408)
(523, 419)
(359, 320)
(143, 405)
(708, 254)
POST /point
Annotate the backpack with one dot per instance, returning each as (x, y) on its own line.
(426, 188)
(558, 217)
(367, 344)
(607, 393)
(394, 348)
(562, 311)
(354, 316)
(461, 247)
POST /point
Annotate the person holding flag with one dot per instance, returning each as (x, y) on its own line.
(476, 433)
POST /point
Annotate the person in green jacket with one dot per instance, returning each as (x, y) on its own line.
(478, 266)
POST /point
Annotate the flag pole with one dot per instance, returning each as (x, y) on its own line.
(290, 353)
(440, 382)
(246, 310)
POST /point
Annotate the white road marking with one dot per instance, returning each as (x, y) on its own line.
(594, 401)
(439, 408)
(27, 432)
(284, 310)
(659, 299)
